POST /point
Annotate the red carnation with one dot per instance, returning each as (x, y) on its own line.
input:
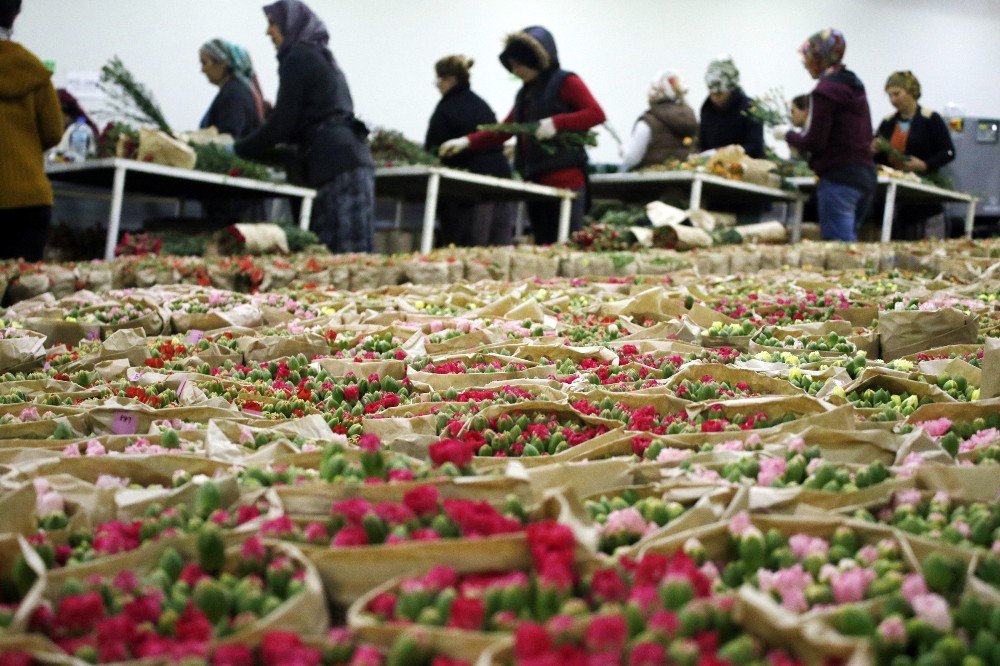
(423, 500)
(467, 613)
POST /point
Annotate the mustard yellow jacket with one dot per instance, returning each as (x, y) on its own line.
(31, 122)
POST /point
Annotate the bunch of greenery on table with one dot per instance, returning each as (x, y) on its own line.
(130, 98)
(770, 109)
(563, 139)
(216, 159)
(390, 148)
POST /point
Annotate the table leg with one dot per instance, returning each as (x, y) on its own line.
(795, 223)
(890, 209)
(305, 214)
(115, 216)
(695, 202)
(970, 218)
(398, 223)
(430, 212)
(565, 208)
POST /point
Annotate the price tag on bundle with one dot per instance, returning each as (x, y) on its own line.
(194, 336)
(124, 423)
(134, 374)
(181, 386)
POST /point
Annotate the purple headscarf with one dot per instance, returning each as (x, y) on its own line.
(299, 25)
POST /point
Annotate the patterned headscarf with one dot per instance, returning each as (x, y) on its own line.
(825, 48)
(299, 25)
(236, 58)
(722, 75)
(906, 80)
(667, 86)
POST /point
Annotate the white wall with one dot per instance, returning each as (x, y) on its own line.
(388, 47)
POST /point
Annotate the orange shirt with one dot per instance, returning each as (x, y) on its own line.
(898, 141)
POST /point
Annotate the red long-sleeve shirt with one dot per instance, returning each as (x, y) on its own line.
(574, 93)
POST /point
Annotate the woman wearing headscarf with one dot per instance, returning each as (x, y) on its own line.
(667, 130)
(724, 121)
(238, 108)
(30, 123)
(837, 137)
(557, 100)
(922, 136)
(459, 112)
(315, 112)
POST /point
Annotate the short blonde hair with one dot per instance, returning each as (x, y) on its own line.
(454, 65)
(906, 80)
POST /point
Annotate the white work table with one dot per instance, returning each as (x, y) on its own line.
(428, 183)
(122, 175)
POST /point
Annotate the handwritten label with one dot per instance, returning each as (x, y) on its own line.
(194, 335)
(181, 386)
(124, 423)
(134, 374)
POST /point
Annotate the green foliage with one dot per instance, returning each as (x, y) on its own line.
(216, 159)
(391, 148)
(130, 98)
(565, 139)
(298, 239)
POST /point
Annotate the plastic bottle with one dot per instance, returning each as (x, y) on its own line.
(81, 140)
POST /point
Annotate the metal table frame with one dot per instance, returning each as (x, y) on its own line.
(614, 186)
(170, 178)
(894, 187)
(410, 182)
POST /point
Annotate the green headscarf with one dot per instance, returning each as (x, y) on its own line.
(236, 58)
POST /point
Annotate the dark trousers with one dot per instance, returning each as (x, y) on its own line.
(544, 216)
(23, 232)
(468, 224)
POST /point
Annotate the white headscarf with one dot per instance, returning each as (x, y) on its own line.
(667, 87)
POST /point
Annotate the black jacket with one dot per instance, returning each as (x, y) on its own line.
(928, 140)
(314, 110)
(729, 125)
(459, 112)
(233, 111)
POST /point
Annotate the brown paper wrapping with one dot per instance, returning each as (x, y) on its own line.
(763, 232)
(161, 148)
(911, 331)
(991, 369)
(26, 348)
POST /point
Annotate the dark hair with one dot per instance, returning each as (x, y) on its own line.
(454, 65)
(9, 9)
(801, 102)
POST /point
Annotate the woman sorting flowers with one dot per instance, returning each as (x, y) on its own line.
(238, 108)
(667, 130)
(837, 137)
(914, 139)
(558, 101)
(314, 111)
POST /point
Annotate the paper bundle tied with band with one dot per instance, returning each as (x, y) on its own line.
(991, 369)
(733, 162)
(911, 331)
(161, 148)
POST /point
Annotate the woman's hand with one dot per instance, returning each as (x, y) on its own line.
(914, 164)
(453, 146)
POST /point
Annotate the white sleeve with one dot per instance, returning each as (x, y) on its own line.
(634, 149)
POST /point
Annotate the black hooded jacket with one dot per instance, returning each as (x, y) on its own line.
(459, 112)
(314, 110)
(729, 125)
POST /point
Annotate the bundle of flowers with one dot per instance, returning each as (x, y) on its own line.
(625, 518)
(515, 434)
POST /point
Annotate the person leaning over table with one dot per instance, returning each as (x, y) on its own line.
(724, 121)
(459, 112)
(238, 107)
(237, 110)
(922, 135)
(315, 112)
(667, 130)
(557, 100)
(836, 138)
(31, 122)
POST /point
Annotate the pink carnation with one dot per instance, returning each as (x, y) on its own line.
(913, 586)
(937, 427)
(770, 470)
(803, 545)
(625, 520)
(933, 609)
(850, 586)
(739, 523)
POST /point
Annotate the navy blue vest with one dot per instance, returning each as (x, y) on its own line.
(537, 100)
